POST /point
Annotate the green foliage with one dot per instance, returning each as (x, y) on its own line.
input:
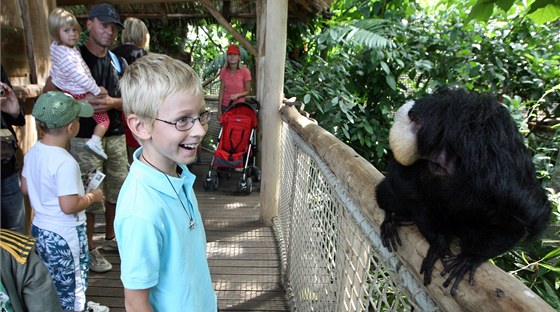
(372, 56)
(200, 44)
(540, 11)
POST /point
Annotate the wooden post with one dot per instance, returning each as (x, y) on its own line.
(271, 123)
(27, 30)
(259, 64)
(261, 36)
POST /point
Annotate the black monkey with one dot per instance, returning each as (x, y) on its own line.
(460, 170)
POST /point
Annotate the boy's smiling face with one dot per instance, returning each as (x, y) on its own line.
(168, 146)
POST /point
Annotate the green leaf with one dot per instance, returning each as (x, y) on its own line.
(306, 98)
(504, 4)
(391, 82)
(361, 137)
(549, 267)
(552, 254)
(481, 11)
(551, 293)
(385, 67)
(368, 128)
(541, 4)
(548, 13)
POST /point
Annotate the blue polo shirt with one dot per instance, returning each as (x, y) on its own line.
(158, 250)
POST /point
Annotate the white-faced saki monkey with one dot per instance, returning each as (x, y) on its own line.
(462, 173)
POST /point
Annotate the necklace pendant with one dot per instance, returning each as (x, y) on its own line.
(192, 224)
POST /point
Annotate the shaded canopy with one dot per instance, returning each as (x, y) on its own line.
(171, 11)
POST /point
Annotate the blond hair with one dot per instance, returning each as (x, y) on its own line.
(59, 18)
(151, 79)
(136, 32)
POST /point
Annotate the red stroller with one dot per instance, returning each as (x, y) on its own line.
(236, 146)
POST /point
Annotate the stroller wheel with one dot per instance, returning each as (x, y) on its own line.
(215, 182)
(245, 185)
(207, 182)
(241, 185)
(256, 174)
(249, 189)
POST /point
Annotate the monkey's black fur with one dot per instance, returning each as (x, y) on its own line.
(473, 180)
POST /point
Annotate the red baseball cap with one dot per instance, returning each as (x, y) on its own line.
(233, 49)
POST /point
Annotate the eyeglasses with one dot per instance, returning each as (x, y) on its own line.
(186, 123)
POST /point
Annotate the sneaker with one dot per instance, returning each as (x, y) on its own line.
(96, 149)
(96, 307)
(98, 263)
(110, 245)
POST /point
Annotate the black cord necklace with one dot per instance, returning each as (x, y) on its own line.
(192, 223)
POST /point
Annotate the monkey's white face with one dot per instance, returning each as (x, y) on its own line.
(402, 136)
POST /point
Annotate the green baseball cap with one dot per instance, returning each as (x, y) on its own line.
(56, 109)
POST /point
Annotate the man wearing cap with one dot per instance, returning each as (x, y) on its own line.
(106, 69)
(51, 177)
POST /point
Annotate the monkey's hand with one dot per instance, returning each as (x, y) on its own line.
(389, 233)
(457, 266)
(435, 252)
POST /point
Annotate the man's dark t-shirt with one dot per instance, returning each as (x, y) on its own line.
(106, 75)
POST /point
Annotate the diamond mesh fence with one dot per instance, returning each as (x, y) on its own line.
(332, 260)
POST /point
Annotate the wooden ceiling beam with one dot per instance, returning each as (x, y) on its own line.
(115, 2)
(172, 16)
(222, 21)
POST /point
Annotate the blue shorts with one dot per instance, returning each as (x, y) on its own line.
(66, 255)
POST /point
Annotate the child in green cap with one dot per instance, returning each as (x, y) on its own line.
(52, 179)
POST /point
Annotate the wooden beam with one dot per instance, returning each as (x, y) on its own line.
(222, 21)
(173, 16)
(27, 30)
(261, 36)
(271, 99)
(114, 2)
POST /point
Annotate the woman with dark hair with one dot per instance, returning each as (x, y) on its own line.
(235, 80)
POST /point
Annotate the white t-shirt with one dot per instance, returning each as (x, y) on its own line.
(50, 172)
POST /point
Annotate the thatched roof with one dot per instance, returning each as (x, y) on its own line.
(170, 11)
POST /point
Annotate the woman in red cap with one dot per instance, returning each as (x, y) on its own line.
(235, 80)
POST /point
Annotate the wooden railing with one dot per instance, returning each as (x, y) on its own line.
(333, 259)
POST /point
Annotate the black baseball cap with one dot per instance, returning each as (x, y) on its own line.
(105, 13)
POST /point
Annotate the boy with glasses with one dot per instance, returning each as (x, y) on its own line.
(160, 234)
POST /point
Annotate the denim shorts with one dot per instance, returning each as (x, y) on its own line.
(13, 210)
(65, 254)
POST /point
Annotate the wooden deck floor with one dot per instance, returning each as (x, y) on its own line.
(242, 253)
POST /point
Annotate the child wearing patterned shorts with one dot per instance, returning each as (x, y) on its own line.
(51, 177)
